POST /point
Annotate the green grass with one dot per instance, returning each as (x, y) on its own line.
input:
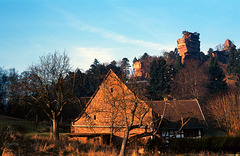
(22, 126)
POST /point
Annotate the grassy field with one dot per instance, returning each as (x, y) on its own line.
(22, 126)
(23, 137)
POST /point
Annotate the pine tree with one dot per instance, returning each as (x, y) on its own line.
(217, 83)
(159, 81)
(135, 60)
(234, 62)
(177, 65)
(125, 66)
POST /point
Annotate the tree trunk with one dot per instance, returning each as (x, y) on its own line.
(55, 128)
(124, 142)
(111, 138)
(36, 121)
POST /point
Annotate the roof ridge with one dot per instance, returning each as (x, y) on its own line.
(94, 94)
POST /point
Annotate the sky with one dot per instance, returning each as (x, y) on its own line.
(109, 29)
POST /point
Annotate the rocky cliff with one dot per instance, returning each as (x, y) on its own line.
(189, 46)
(228, 45)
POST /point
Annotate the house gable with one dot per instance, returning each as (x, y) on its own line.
(108, 109)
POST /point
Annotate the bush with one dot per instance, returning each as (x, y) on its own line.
(213, 144)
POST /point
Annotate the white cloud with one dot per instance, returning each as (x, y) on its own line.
(124, 39)
(80, 25)
(82, 57)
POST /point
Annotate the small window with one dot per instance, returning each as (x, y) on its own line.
(111, 90)
(94, 117)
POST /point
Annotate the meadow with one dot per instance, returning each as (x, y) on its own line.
(23, 137)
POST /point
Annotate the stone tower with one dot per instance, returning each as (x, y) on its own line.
(189, 46)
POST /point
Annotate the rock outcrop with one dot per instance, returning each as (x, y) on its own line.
(189, 46)
(142, 66)
(223, 55)
(137, 66)
(228, 45)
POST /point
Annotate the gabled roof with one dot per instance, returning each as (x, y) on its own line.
(175, 109)
(110, 73)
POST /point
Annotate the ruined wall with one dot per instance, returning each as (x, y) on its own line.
(189, 46)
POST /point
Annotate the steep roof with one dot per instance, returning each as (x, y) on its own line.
(175, 109)
(110, 73)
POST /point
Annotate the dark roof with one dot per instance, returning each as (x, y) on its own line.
(175, 109)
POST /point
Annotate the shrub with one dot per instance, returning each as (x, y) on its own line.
(213, 144)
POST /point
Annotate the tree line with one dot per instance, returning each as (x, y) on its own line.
(51, 89)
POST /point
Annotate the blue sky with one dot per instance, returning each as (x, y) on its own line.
(109, 29)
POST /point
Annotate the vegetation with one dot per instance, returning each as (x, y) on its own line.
(48, 87)
(190, 82)
(14, 143)
(225, 144)
(225, 110)
(18, 144)
(51, 89)
(216, 77)
(159, 81)
(233, 62)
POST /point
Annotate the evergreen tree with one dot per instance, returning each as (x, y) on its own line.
(95, 75)
(177, 65)
(159, 81)
(135, 60)
(216, 76)
(125, 66)
(210, 51)
(115, 68)
(145, 56)
(234, 61)
(3, 81)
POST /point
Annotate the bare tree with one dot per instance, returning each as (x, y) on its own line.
(219, 47)
(128, 105)
(191, 82)
(47, 85)
(131, 109)
(225, 109)
(124, 108)
(168, 108)
(120, 109)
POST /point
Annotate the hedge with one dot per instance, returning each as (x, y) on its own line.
(213, 144)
